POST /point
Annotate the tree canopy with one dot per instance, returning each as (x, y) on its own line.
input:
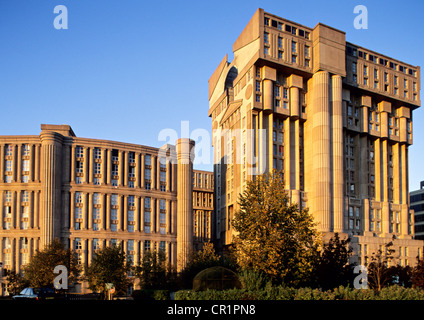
(274, 236)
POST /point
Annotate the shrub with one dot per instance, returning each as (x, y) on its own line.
(148, 294)
(394, 292)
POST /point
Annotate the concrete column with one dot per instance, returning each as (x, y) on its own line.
(396, 173)
(37, 163)
(73, 162)
(109, 166)
(168, 176)
(168, 217)
(337, 149)
(268, 94)
(126, 168)
(377, 170)
(125, 220)
(294, 102)
(108, 210)
(2, 164)
(153, 215)
(36, 210)
(287, 153)
(404, 175)
(154, 172)
(137, 170)
(321, 199)
(185, 156)
(385, 167)
(72, 213)
(86, 165)
(90, 210)
(91, 165)
(50, 185)
(121, 168)
(142, 168)
(19, 164)
(104, 167)
(142, 214)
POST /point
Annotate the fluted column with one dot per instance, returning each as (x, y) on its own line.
(337, 148)
(321, 195)
(185, 156)
(51, 145)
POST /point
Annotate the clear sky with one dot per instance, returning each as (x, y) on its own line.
(124, 70)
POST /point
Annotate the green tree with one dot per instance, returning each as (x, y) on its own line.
(39, 271)
(200, 260)
(379, 272)
(155, 272)
(274, 236)
(417, 275)
(333, 268)
(15, 282)
(108, 266)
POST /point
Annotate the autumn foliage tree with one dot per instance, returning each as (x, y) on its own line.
(39, 271)
(274, 236)
(108, 266)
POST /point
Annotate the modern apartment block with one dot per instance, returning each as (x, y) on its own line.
(91, 193)
(335, 117)
(417, 204)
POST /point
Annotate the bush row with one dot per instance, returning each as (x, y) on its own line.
(151, 294)
(394, 292)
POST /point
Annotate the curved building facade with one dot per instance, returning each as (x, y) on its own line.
(92, 193)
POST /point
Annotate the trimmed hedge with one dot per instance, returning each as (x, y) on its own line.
(151, 294)
(394, 292)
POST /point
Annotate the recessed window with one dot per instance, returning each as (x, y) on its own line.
(294, 47)
(266, 37)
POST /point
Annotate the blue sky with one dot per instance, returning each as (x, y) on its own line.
(125, 70)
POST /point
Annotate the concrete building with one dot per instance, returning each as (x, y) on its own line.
(91, 193)
(335, 117)
(417, 205)
(203, 211)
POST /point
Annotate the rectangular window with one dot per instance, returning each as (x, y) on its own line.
(25, 196)
(8, 165)
(114, 214)
(131, 201)
(294, 47)
(78, 244)
(25, 165)
(354, 67)
(79, 151)
(266, 37)
(307, 53)
(97, 153)
(114, 200)
(258, 86)
(78, 197)
(148, 160)
(97, 168)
